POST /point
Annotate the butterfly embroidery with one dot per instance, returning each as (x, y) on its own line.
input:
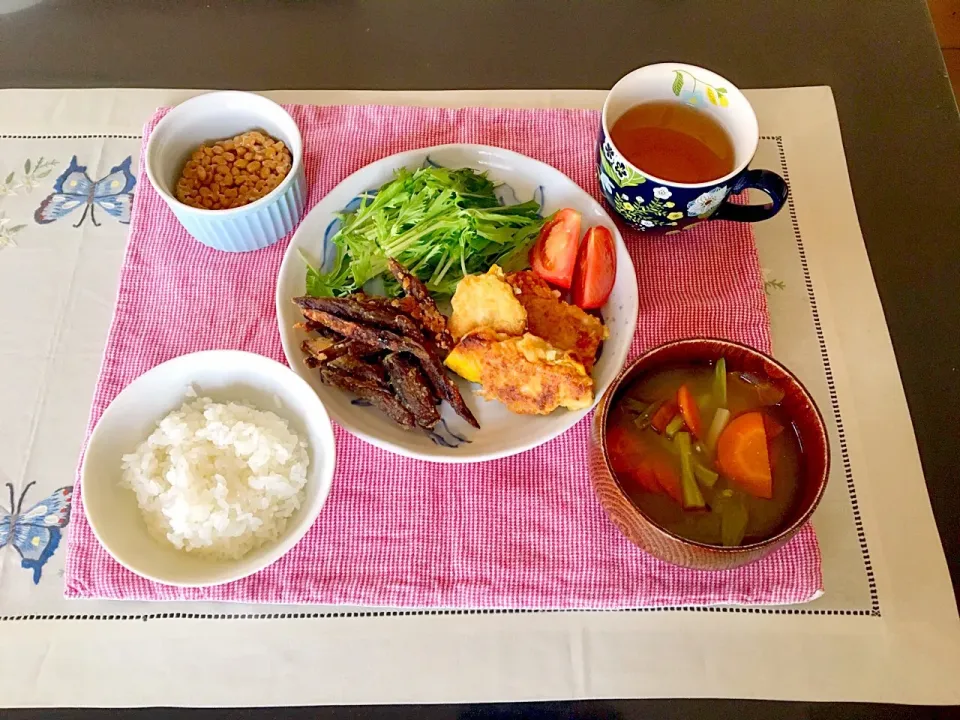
(35, 533)
(73, 189)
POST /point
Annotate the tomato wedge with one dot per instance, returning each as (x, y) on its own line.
(554, 256)
(596, 269)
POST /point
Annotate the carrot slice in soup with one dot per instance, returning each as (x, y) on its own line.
(690, 411)
(627, 453)
(644, 476)
(623, 447)
(667, 477)
(743, 457)
(663, 416)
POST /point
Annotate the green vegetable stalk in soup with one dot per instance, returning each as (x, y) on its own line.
(706, 453)
(440, 224)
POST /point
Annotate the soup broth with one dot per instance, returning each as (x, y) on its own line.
(648, 434)
(674, 142)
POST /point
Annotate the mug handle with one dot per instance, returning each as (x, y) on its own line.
(765, 181)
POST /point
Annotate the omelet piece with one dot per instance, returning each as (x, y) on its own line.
(466, 358)
(526, 373)
(486, 301)
(465, 363)
(561, 324)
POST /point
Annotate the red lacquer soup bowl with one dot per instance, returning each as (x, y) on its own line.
(797, 406)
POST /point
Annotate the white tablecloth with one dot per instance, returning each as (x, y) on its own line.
(886, 628)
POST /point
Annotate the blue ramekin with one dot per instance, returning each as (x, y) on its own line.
(215, 116)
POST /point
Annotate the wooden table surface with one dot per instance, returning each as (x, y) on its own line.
(946, 21)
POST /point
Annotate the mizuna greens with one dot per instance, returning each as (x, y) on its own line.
(440, 224)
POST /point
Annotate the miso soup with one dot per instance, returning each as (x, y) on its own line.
(707, 454)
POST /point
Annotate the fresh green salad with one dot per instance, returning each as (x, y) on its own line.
(441, 224)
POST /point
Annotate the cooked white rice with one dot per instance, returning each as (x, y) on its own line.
(218, 479)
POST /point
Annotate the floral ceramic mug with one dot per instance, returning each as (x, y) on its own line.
(648, 203)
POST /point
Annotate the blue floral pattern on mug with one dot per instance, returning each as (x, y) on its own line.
(646, 204)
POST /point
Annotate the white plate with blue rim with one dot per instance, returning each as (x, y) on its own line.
(502, 433)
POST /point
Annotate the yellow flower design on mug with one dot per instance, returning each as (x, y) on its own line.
(674, 215)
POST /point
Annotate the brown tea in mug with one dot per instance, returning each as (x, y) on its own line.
(674, 141)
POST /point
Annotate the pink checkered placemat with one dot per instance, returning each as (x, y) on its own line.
(525, 532)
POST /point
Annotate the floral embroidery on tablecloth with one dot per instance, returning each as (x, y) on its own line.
(8, 231)
(770, 283)
(15, 183)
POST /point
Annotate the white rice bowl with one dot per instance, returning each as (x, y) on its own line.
(218, 479)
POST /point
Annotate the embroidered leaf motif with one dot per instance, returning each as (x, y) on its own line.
(26, 167)
(9, 178)
(677, 82)
(15, 229)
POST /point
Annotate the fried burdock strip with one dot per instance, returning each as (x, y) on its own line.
(321, 350)
(433, 320)
(377, 396)
(350, 309)
(362, 370)
(324, 350)
(411, 387)
(312, 327)
(406, 304)
(441, 382)
(344, 355)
